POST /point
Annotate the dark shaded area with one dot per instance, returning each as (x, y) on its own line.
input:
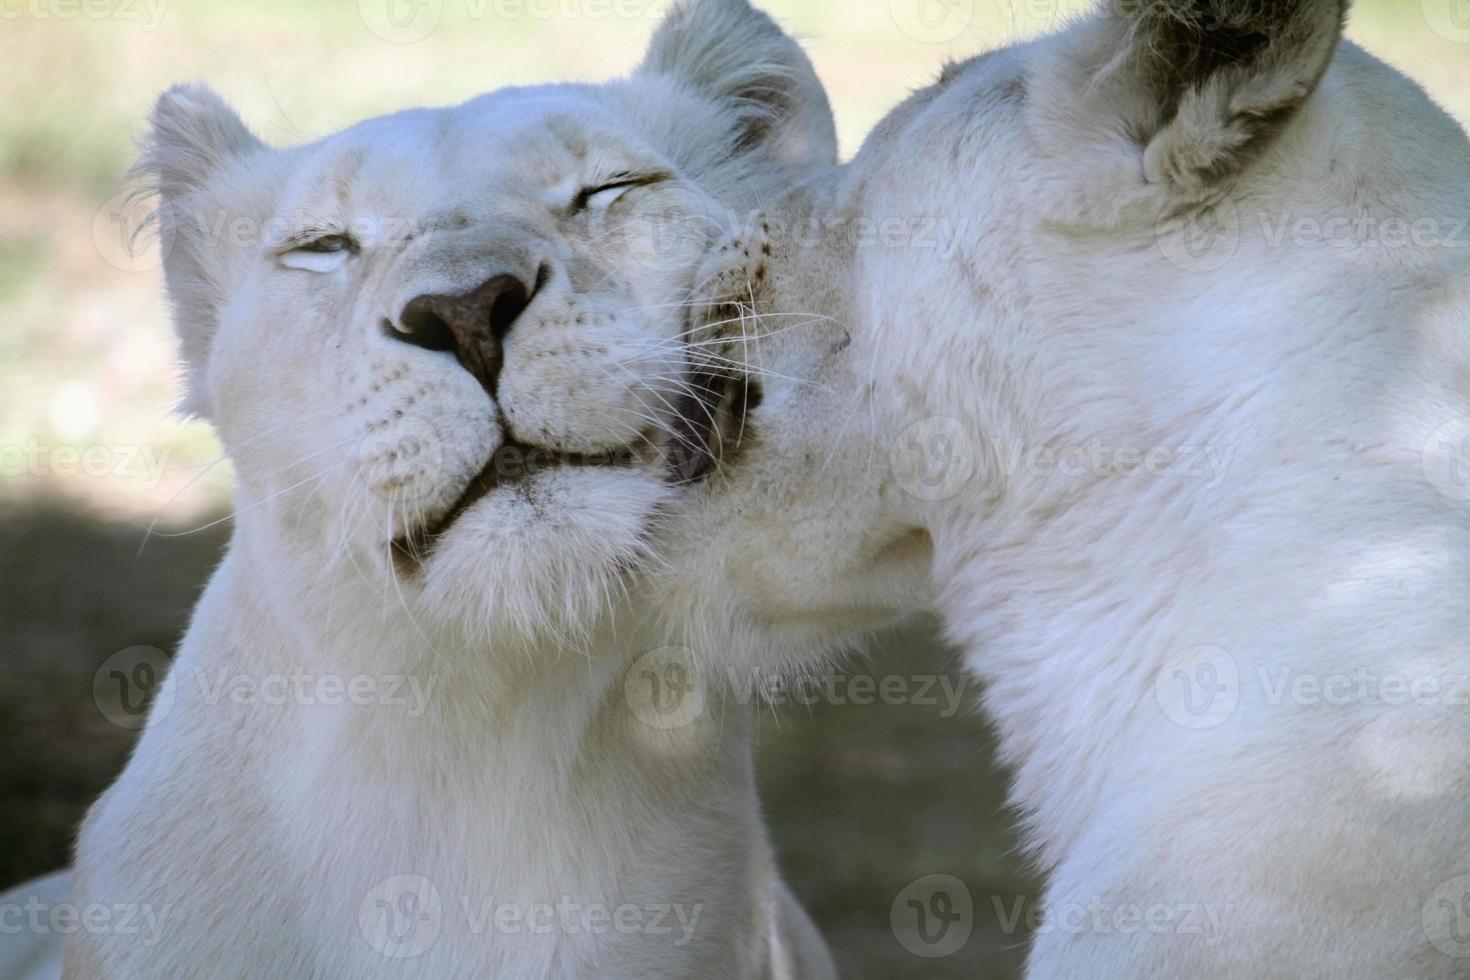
(74, 590)
(863, 799)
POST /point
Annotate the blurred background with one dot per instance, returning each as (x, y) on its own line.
(866, 801)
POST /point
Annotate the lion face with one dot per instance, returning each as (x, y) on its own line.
(447, 350)
(491, 377)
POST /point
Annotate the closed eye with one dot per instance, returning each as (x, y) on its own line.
(603, 196)
(317, 253)
(327, 243)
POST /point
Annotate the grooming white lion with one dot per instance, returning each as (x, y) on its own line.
(422, 724)
(1165, 323)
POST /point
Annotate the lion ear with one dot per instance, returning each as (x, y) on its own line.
(192, 161)
(1206, 83)
(738, 56)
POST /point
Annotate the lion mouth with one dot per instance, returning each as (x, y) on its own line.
(704, 427)
(514, 462)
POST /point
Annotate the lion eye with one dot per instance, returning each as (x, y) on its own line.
(328, 244)
(603, 196)
(321, 254)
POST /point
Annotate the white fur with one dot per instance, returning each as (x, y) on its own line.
(1061, 309)
(502, 759)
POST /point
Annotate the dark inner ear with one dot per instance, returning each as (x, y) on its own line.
(1189, 55)
(776, 105)
(1215, 79)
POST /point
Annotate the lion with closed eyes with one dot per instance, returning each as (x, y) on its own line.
(421, 724)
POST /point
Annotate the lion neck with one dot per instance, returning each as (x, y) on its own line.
(447, 743)
(1165, 460)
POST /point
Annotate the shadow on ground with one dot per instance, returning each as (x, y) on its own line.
(866, 792)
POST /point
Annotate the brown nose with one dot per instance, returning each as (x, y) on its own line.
(472, 324)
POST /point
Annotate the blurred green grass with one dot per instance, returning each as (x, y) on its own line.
(85, 353)
(862, 800)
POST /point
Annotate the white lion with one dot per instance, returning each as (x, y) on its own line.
(1162, 321)
(427, 719)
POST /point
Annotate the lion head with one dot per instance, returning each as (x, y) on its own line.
(447, 350)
